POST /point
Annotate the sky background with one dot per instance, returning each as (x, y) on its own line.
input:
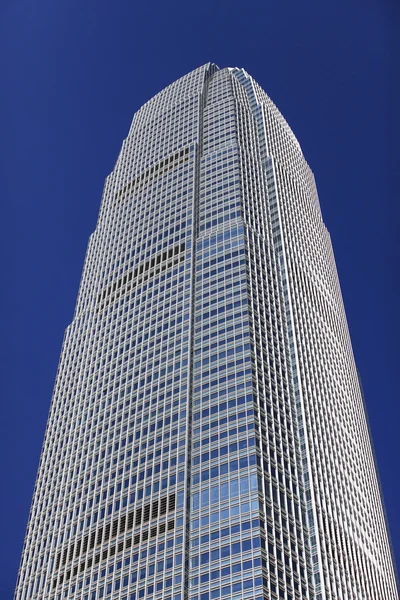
(73, 74)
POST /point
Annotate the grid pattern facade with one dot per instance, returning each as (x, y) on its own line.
(207, 436)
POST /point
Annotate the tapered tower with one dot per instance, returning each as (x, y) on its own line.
(207, 435)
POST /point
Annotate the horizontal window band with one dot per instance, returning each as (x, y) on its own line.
(155, 170)
(156, 265)
(126, 522)
(113, 550)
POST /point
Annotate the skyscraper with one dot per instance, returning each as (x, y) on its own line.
(207, 435)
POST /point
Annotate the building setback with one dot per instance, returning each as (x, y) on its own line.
(207, 435)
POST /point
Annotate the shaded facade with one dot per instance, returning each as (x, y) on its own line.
(207, 436)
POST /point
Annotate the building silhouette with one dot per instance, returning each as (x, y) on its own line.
(207, 435)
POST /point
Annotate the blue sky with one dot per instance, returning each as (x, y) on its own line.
(74, 73)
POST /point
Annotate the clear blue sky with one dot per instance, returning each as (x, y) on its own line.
(74, 72)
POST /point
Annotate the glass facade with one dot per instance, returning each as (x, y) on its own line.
(207, 436)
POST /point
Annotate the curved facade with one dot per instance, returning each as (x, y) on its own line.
(207, 435)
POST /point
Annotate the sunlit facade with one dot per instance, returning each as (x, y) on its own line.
(207, 436)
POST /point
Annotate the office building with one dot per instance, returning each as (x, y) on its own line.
(207, 435)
